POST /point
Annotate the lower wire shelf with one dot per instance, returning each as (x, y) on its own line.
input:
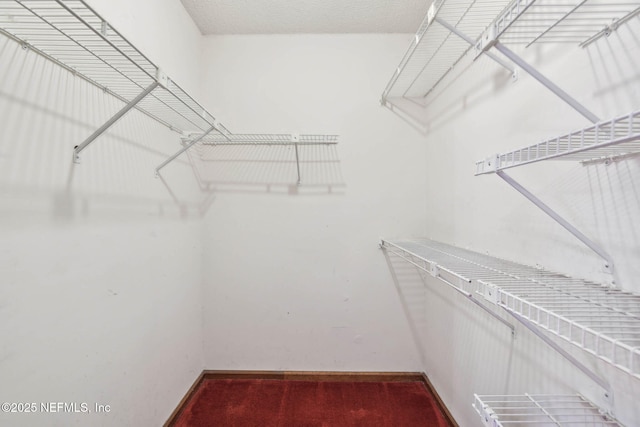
(540, 410)
(596, 318)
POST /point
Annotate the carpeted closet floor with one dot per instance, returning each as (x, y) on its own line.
(284, 403)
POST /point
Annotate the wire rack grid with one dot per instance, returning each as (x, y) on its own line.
(75, 37)
(599, 319)
(540, 410)
(612, 138)
(560, 21)
(435, 50)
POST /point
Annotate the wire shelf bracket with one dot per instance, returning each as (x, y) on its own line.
(608, 261)
(540, 410)
(472, 42)
(598, 319)
(78, 148)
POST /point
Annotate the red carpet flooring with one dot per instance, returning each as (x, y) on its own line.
(285, 403)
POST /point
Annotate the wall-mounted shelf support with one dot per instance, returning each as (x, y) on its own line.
(613, 26)
(472, 42)
(608, 265)
(575, 362)
(78, 148)
(188, 145)
(545, 81)
(295, 139)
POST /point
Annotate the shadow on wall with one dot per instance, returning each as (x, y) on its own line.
(427, 113)
(46, 112)
(450, 332)
(268, 169)
(615, 66)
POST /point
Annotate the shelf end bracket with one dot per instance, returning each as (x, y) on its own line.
(295, 138)
(78, 148)
(608, 262)
(516, 59)
(608, 393)
(471, 42)
(186, 147)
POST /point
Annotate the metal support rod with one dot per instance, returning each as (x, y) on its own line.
(112, 120)
(297, 163)
(546, 82)
(588, 372)
(570, 228)
(185, 148)
(466, 38)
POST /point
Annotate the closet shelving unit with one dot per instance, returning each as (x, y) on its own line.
(540, 410)
(558, 21)
(74, 36)
(599, 319)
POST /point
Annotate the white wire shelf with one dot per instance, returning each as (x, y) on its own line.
(616, 137)
(435, 49)
(269, 139)
(559, 21)
(540, 410)
(71, 34)
(599, 319)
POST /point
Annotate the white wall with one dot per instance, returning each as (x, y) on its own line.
(478, 113)
(295, 280)
(100, 296)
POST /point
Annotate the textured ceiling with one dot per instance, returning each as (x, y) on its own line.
(306, 16)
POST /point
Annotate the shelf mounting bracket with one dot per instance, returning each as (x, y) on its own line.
(295, 138)
(608, 266)
(545, 81)
(608, 394)
(78, 148)
(186, 147)
(471, 42)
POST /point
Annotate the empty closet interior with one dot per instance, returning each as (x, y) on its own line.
(305, 187)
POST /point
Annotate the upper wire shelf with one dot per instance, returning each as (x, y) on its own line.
(452, 27)
(268, 139)
(435, 49)
(74, 36)
(616, 137)
(560, 21)
(599, 319)
(540, 410)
